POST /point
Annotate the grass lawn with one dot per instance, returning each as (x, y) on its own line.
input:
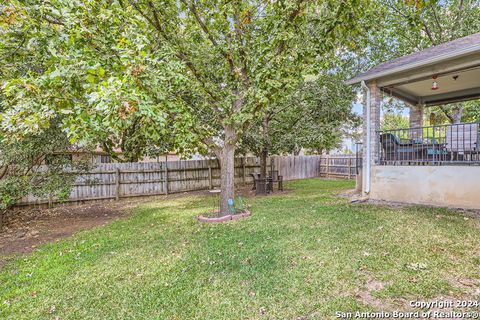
(302, 255)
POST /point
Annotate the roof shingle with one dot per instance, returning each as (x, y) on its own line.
(425, 54)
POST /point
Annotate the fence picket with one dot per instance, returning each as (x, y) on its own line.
(118, 180)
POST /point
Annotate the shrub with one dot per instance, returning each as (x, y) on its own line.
(39, 164)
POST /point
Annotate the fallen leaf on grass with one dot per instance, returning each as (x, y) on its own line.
(416, 266)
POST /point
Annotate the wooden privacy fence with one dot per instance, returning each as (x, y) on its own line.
(117, 180)
(338, 166)
(297, 167)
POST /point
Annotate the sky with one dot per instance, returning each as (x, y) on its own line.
(357, 108)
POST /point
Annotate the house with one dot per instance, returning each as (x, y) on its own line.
(434, 165)
(98, 156)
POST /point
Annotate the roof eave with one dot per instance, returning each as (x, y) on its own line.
(435, 59)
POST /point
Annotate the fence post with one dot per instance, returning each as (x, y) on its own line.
(328, 166)
(210, 183)
(349, 168)
(243, 171)
(50, 201)
(166, 176)
(117, 184)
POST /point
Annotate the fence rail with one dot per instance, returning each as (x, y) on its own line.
(118, 180)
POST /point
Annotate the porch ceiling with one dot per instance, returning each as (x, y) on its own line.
(409, 78)
(453, 86)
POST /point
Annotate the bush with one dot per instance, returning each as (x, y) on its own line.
(40, 165)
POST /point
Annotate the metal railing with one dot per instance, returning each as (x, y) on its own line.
(432, 145)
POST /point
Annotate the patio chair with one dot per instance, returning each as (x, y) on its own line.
(415, 150)
(260, 185)
(273, 174)
(461, 140)
(273, 178)
(255, 176)
(394, 150)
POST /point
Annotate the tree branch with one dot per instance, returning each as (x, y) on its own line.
(203, 26)
(293, 15)
(424, 24)
(276, 112)
(445, 112)
(4, 171)
(428, 32)
(53, 20)
(241, 52)
(437, 20)
(180, 54)
(459, 15)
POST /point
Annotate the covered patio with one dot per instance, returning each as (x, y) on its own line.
(435, 164)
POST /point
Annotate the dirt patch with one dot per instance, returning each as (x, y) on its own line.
(353, 196)
(349, 193)
(447, 303)
(356, 198)
(24, 230)
(470, 287)
(472, 213)
(226, 218)
(364, 295)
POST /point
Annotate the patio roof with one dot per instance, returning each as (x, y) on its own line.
(456, 65)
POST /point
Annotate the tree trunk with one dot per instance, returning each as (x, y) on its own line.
(264, 151)
(457, 114)
(227, 169)
(263, 162)
(2, 214)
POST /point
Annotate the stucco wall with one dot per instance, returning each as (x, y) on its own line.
(452, 186)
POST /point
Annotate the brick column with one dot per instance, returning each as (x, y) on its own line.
(375, 100)
(416, 120)
(416, 116)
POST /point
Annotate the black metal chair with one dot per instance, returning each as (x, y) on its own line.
(275, 178)
(255, 176)
(273, 174)
(262, 186)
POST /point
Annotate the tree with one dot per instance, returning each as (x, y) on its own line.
(23, 170)
(315, 117)
(206, 69)
(392, 120)
(108, 85)
(437, 22)
(409, 26)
